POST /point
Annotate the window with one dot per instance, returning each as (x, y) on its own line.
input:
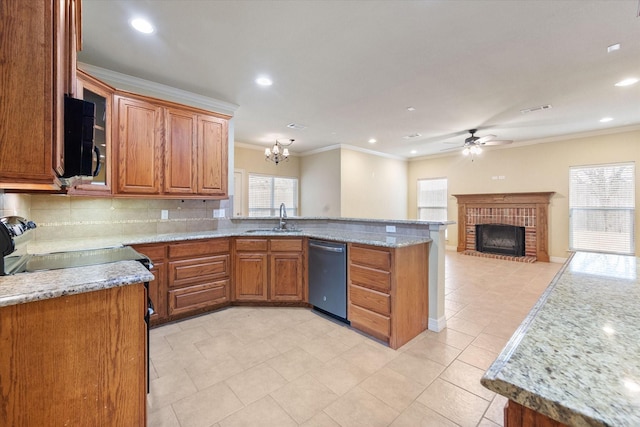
(267, 192)
(432, 199)
(602, 208)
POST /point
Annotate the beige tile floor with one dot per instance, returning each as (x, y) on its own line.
(248, 366)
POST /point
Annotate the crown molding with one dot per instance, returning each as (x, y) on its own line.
(351, 148)
(158, 90)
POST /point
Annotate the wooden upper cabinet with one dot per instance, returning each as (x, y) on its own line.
(37, 50)
(212, 155)
(139, 146)
(180, 146)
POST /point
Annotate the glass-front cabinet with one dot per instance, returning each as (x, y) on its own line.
(101, 95)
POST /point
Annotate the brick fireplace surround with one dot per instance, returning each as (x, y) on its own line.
(528, 210)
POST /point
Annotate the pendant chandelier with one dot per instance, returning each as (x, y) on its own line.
(278, 153)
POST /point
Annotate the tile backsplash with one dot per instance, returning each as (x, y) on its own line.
(65, 217)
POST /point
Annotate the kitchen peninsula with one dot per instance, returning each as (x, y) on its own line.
(390, 234)
(574, 359)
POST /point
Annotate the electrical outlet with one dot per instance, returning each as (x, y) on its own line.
(391, 228)
(164, 214)
(218, 213)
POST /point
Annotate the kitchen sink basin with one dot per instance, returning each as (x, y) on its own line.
(273, 230)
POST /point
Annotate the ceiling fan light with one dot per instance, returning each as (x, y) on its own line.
(466, 151)
(478, 150)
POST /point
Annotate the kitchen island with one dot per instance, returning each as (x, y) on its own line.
(575, 358)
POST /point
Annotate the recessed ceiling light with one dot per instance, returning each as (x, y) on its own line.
(264, 81)
(414, 151)
(142, 25)
(627, 82)
(372, 141)
(606, 119)
(613, 47)
(411, 109)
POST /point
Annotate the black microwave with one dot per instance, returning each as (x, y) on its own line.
(79, 150)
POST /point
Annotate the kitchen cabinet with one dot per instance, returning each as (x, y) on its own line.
(388, 291)
(198, 276)
(38, 43)
(157, 253)
(93, 90)
(170, 150)
(517, 415)
(139, 146)
(75, 360)
(269, 269)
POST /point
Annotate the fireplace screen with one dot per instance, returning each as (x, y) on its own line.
(500, 239)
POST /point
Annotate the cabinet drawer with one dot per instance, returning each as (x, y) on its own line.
(370, 299)
(156, 252)
(374, 258)
(286, 245)
(372, 323)
(199, 269)
(198, 296)
(198, 248)
(370, 278)
(252, 245)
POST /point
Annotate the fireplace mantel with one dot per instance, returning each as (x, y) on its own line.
(530, 210)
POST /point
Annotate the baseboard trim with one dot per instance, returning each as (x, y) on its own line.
(437, 325)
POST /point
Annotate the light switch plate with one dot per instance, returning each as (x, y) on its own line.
(391, 228)
(164, 214)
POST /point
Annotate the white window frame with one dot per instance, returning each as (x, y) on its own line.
(423, 205)
(602, 208)
(274, 202)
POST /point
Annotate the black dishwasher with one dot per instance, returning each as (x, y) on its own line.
(328, 277)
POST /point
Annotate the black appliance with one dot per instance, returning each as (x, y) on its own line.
(16, 232)
(79, 150)
(328, 278)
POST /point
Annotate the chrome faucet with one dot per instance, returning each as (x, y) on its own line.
(283, 216)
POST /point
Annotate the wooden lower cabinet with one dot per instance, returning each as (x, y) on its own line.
(190, 277)
(269, 269)
(516, 415)
(388, 291)
(77, 360)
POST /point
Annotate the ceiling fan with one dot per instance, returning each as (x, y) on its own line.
(473, 144)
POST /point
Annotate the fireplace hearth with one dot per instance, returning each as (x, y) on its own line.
(501, 239)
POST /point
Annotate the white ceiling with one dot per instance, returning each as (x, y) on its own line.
(348, 70)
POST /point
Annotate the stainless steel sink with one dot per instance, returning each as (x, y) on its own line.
(273, 230)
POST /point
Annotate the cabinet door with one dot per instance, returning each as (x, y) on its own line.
(212, 155)
(251, 277)
(139, 146)
(180, 144)
(286, 277)
(29, 92)
(101, 95)
(158, 292)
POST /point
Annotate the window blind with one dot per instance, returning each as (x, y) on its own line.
(432, 199)
(267, 192)
(602, 208)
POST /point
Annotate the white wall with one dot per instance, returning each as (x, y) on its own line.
(320, 178)
(373, 186)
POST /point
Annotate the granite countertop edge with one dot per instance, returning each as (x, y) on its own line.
(41, 285)
(570, 411)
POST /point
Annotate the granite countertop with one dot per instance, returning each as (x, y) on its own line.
(576, 356)
(375, 239)
(40, 285)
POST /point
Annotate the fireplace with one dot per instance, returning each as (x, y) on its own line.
(527, 210)
(500, 239)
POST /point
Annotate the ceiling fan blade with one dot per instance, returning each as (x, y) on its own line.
(452, 149)
(484, 139)
(498, 142)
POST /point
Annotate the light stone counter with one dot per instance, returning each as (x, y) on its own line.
(27, 287)
(576, 356)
